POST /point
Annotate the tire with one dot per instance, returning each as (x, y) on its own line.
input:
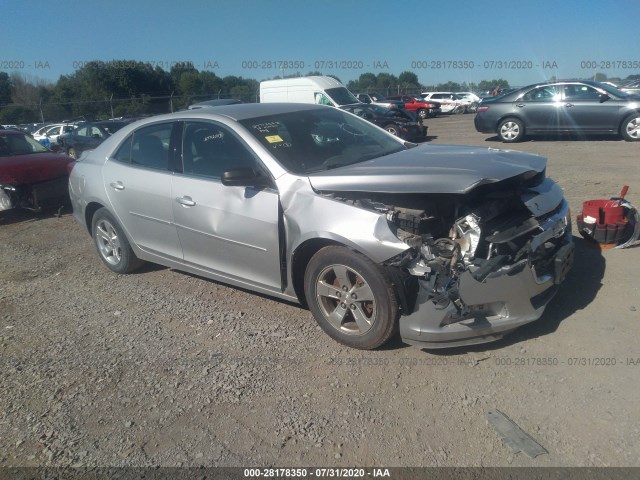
(392, 129)
(112, 244)
(73, 153)
(511, 130)
(351, 298)
(422, 113)
(630, 129)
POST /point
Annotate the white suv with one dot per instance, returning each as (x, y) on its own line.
(449, 102)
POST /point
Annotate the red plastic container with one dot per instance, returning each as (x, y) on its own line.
(606, 212)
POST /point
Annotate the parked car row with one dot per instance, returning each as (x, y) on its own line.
(389, 114)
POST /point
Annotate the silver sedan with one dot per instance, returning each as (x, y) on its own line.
(446, 245)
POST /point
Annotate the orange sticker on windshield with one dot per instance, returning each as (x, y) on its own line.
(274, 139)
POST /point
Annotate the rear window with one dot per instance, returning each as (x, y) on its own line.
(19, 145)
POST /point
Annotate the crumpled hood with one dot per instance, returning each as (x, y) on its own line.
(429, 169)
(33, 168)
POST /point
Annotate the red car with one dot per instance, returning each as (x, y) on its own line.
(419, 105)
(31, 176)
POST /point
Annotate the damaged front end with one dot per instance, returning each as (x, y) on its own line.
(480, 264)
(35, 197)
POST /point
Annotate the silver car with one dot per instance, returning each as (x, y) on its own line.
(448, 245)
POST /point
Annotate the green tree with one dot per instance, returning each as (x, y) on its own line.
(408, 80)
(5, 88)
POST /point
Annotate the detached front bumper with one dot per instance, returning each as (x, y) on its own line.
(506, 299)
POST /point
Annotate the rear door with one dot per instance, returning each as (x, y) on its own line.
(540, 109)
(230, 231)
(138, 183)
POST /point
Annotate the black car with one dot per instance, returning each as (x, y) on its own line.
(580, 106)
(400, 123)
(88, 136)
(378, 99)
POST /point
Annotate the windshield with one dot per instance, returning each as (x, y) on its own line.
(612, 90)
(341, 96)
(377, 97)
(315, 140)
(19, 145)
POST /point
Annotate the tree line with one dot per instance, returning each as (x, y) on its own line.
(131, 88)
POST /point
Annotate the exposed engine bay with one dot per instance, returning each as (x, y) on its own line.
(459, 240)
(35, 197)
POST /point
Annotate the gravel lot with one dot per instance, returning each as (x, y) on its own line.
(164, 368)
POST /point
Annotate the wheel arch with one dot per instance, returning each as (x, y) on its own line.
(300, 259)
(507, 116)
(307, 249)
(89, 212)
(625, 117)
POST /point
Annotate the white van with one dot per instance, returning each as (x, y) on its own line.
(317, 89)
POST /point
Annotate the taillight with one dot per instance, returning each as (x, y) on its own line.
(70, 166)
(482, 109)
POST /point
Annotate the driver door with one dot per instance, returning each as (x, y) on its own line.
(229, 231)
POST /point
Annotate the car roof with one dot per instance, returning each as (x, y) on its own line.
(240, 111)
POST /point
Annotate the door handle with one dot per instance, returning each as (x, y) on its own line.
(117, 185)
(568, 105)
(186, 201)
(520, 105)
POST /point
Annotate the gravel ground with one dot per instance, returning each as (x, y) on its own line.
(164, 368)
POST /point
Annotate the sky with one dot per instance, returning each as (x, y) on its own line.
(521, 41)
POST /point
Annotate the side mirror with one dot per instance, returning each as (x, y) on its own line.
(245, 177)
(604, 97)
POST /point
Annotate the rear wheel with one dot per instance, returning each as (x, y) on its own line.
(351, 298)
(112, 244)
(630, 129)
(511, 130)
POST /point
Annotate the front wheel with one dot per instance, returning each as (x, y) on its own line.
(630, 129)
(112, 244)
(351, 298)
(72, 153)
(511, 130)
(422, 113)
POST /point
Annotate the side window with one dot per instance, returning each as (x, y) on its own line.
(209, 149)
(576, 93)
(95, 132)
(123, 155)
(150, 146)
(82, 132)
(540, 94)
(322, 99)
